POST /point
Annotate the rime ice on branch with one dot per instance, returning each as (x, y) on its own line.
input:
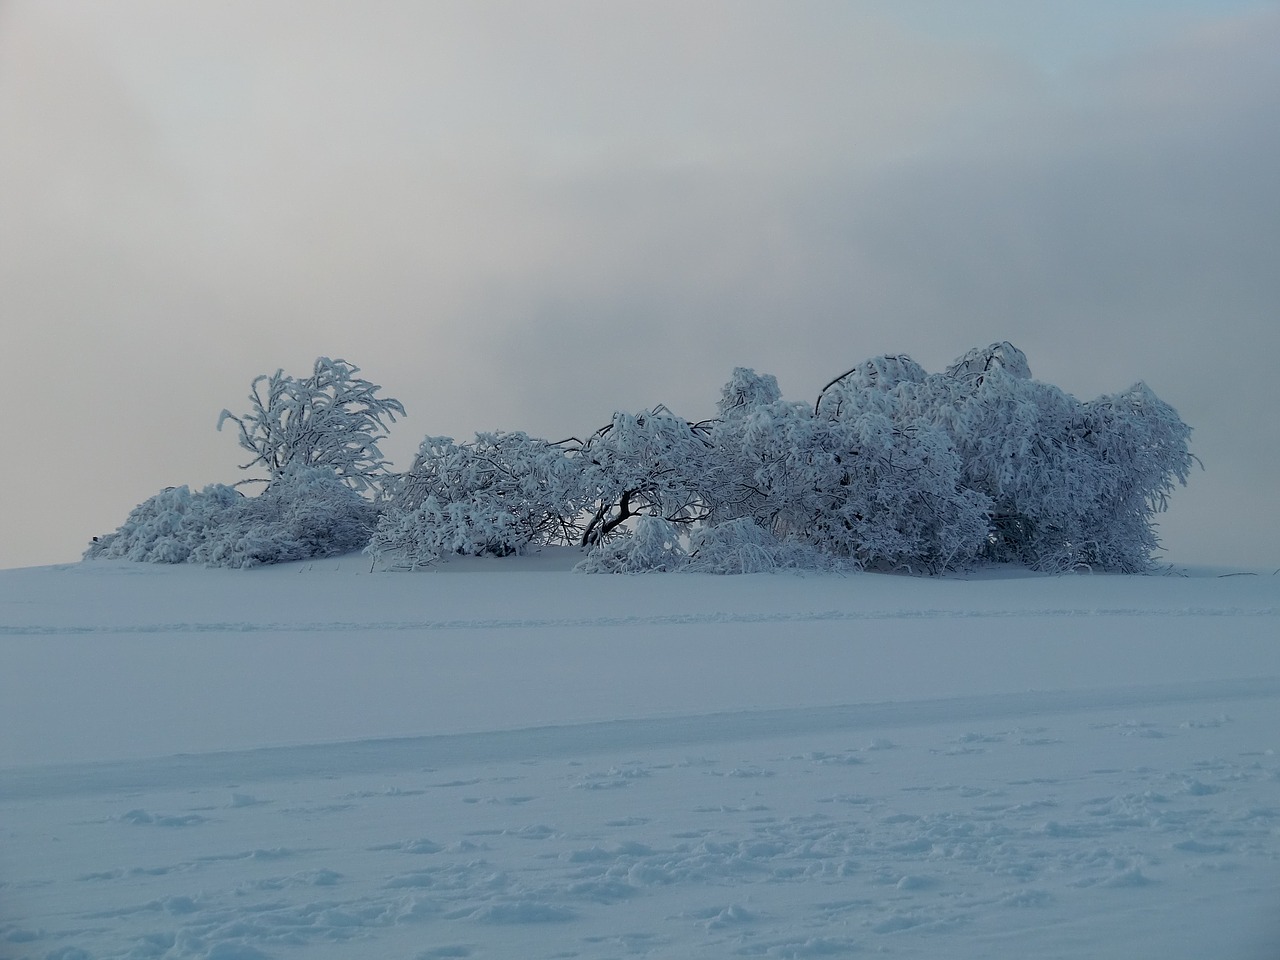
(330, 419)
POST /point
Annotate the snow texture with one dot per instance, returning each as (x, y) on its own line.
(498, 758)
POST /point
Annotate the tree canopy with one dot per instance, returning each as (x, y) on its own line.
(889, 468)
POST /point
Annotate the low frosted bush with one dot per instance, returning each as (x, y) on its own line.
(496, 496)
(308, 512)
(743, 546)
(652, 546)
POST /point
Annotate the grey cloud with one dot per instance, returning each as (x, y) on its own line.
(524, 217)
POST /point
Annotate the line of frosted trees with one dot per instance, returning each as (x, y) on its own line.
(892, 468)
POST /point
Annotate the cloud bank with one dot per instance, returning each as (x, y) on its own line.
(525, 217)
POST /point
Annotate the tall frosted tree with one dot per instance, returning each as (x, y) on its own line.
(317, 439)
(331, 418)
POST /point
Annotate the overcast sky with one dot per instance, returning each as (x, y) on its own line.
(527, 215)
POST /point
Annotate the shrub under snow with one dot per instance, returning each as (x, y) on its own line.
(307, 512)
(853, 482)
(497, 496)
(744, 546)
(651, 546)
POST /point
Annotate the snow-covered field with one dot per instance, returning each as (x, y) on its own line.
(503, 759)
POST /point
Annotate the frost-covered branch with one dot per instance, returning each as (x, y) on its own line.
(332, 419)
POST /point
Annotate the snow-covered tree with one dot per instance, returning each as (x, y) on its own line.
(167, 527)
(883, 373)
(651, 545)
(890, 468)
(852, 482)
(1070, 484)
(498, 495)
(317, 440)
(747, 391)
(306, 512)
(507, 492)
(1142, 444)
(975, 364)
(897, 467)
(652, 463)
(744, 546)
(331, 419)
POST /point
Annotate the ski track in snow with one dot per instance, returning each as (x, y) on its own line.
(1066, 768)
(848, 834)
(395, 754)
(604, 622)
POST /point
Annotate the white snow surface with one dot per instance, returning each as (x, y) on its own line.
(504, 759)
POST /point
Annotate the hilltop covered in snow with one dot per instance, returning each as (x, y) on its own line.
(498, 758)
